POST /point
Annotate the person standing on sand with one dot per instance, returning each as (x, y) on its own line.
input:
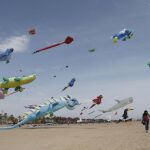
(145, 120)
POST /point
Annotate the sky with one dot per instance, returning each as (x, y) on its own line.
(116, 71)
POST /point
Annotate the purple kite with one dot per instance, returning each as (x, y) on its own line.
(70, 84)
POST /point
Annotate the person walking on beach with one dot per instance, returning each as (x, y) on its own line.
(145, 120)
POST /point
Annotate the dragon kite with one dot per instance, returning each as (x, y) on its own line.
(48, 107)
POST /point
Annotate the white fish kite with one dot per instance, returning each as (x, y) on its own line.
(120, 104)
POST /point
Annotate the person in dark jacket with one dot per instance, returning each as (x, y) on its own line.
(125, 114)
(145, 120)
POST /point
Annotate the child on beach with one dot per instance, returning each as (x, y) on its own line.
(145, 120)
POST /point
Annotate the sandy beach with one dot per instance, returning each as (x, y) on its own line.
(122, 136)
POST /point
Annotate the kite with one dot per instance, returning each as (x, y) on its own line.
(98, 116)
(16, 82)
(91, 112)
(123, 35)
(54, 76)
(91, 50)
(97, 101)
(120, 104)
(81, 113)
(68, 40)
(116, 113)
(148, 63)
(20, 70)
(6, 56)
(70, 84)
(32, 31)
(40, 111)
(31, 106)
(64, 67)
(84, 108)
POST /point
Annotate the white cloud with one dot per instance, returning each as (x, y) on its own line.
(19, 43)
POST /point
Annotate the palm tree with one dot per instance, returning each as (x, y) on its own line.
(5, 116)
(1, 118)
(11, 118)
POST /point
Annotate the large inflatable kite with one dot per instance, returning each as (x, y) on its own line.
(68, 40)
(6, 56)
(122, 35)
(49, 107)
(16, 82)
(120, 104)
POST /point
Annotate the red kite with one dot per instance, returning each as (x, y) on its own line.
(97, 101)
(68, 40)
(32, 31)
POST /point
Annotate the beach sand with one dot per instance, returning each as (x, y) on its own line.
(121, 136)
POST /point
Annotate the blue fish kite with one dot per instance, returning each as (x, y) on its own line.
(6, 56)
(70, 84)
(123, 35)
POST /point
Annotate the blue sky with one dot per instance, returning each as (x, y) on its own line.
(115, 71)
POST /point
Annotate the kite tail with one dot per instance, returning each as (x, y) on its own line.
(7, 128)
(14, 126)
(91, 112)
(43, 49)
(92, 106)
(65, 88)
